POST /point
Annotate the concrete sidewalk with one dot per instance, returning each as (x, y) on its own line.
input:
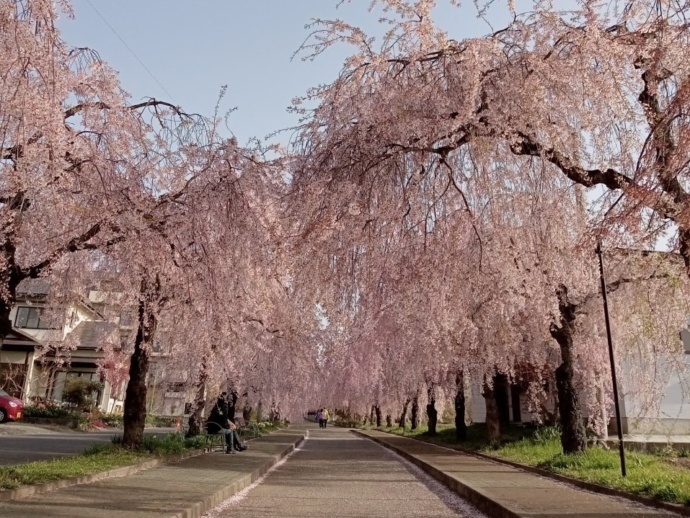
(187, 488)
(503, 491)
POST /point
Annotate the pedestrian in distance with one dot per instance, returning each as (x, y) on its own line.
(325, 415)
(319, 417)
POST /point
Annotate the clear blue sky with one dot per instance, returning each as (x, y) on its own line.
(194, 47)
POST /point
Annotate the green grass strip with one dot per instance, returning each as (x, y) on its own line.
(103, 457)
(44, 471)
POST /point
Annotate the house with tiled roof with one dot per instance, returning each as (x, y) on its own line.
(47, 345)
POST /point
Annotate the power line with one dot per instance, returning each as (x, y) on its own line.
(131, 51)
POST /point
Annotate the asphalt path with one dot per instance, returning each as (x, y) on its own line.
(47, 444)
(337, 474)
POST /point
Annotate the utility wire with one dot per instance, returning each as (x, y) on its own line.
(130, 50)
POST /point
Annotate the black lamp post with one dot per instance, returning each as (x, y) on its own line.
(611, 359)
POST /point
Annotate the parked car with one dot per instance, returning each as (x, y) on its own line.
(11, 408)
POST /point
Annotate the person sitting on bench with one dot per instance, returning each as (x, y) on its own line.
(218, 421)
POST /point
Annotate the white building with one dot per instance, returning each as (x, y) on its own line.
(48, 345)
(641, 413)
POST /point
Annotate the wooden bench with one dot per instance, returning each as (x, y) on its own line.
(214, 440)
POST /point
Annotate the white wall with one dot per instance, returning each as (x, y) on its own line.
(668, 416)
(476, 404)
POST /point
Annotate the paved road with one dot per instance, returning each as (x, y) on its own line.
(336, 474)
(18, 449)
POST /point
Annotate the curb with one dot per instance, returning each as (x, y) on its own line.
(474, 497)
(581, 484)
(27, 491)
(199, 508)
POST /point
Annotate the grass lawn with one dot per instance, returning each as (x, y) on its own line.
(664, 476)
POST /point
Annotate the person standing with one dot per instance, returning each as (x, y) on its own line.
(319, 417)
(325, 415)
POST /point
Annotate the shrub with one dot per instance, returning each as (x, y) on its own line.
(161, 421)
(54, 412)
(113, 420)
(79, 391)
(348, 423)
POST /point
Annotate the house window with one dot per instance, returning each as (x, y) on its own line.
(34, 318)
(176, 387)
(160, 348)
(126, 319)
(12, 378)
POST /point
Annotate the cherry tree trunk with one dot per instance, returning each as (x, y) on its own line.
(403, 414)
(573, 434)
(431, 412)
(259, 411)
(414, 415)
(460, 426)
(199, 401)
(274, 412)
(135, 396)
(372, 413)
(501, 391)
(377, 411)
(493, 423)
(10, 277)
(247, 410)
(389, 421)
(5, 323)
(684, 246)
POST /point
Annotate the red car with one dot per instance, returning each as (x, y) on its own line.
(11, 408)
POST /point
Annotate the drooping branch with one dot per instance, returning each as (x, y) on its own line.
(80, 242)
(151, 103)
(467, 208)
(612, 287)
